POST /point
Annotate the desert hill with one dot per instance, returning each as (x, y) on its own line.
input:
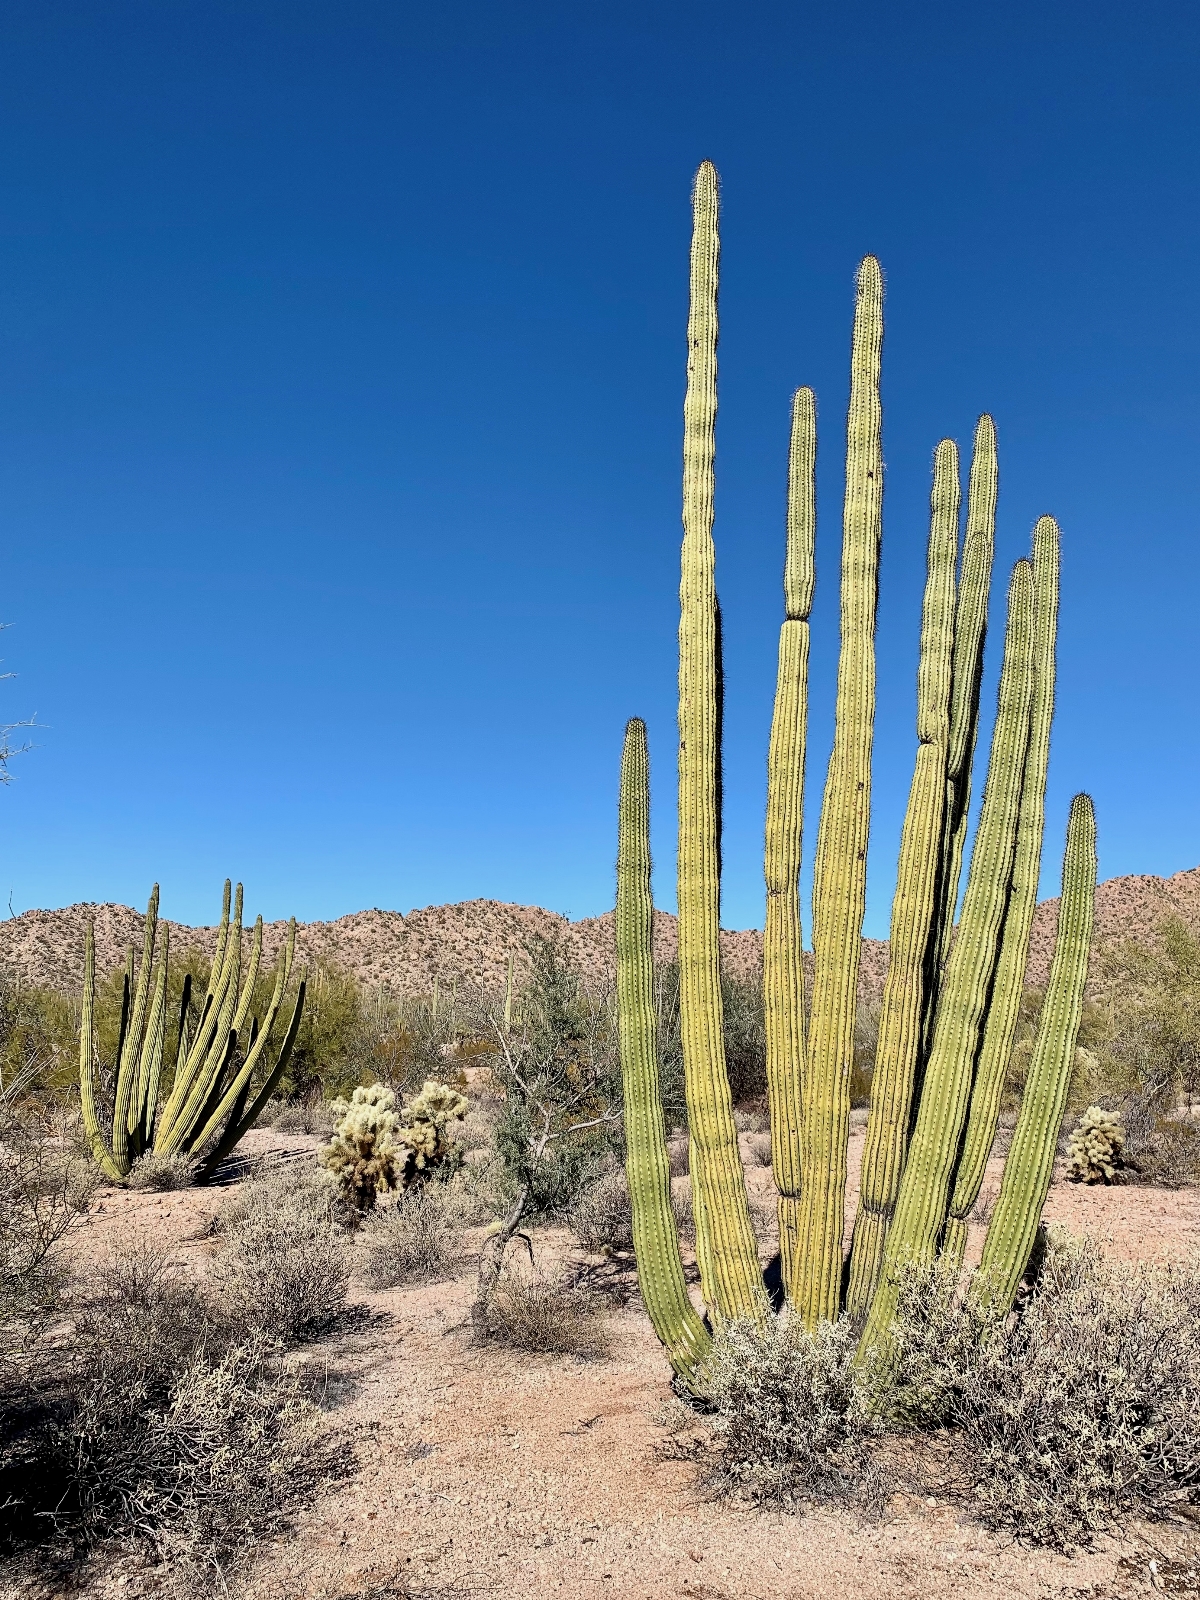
(470, 942)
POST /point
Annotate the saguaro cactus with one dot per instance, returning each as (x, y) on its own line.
(783, 971)
(915, 901)
(1030, 1163)
(656, 1241)
(210, 1106)
(727, 1249)
(840, 879)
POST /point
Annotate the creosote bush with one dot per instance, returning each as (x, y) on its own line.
(418, 1237)
(547, 1314)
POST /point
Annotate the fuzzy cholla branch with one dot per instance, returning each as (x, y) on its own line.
(378, 1150)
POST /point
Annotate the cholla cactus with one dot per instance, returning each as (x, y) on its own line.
(1094, 1149)
(377, 1150)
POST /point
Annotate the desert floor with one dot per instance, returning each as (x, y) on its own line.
(484, 1471)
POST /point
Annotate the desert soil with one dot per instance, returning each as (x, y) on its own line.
(485, 1471)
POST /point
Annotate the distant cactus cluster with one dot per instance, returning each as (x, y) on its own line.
(221, 1076)
(1096, 1147)
(378, 1150)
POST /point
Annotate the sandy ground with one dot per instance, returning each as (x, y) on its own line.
(487, 1472)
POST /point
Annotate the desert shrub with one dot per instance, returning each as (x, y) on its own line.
(794, 1419)
(44, 1189)
(1080, 1408)
(681, 1205)
(37, 1034)
(549, 1315)
(476, 1131)
(679, 1155)
(558, 1126)
(417, 1237)
(163, 1435)
(1094, 1151)
(377, 1150)
(866, 1043)
(281, 1272)
(1165, 1152)
(160, 1172)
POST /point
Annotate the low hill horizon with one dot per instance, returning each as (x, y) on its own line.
(470, 941)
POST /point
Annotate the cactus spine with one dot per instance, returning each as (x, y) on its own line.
(727, 1248)
(1030, 1163)
(915, 900)
(1022, 902)
(921, 1205)
(656, 1241)
(209, 1107)
(783, 971)
(840, 880)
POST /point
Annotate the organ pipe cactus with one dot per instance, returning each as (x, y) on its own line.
(951, 994)
(1030, 1163)
(726, 1246)
(210, 1105)
(656, 1242)
(915, 901)
(840, 875)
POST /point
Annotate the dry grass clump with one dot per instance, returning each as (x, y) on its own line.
(759, 1147)
(311, 1115)
(1082, 1408)
(794, 1417)
(548, 1315)
(159, 1172)
(417, 1238)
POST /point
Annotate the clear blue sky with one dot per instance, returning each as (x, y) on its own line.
(341, 369)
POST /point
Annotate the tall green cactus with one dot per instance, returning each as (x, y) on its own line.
(209, 1107)
(915, 901)
(970, 633)
(945, 1093)
(727, 1249)
(840, 878)
(1022, 902)
(951, 993)
(1030, 1163)
(655, 1238)
(783, 970)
